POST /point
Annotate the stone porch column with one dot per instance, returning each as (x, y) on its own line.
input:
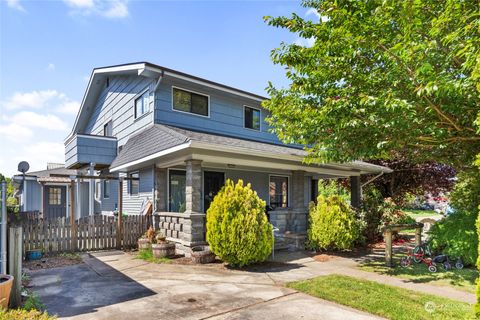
(298, 190)
(160, 190)
(298, 217)
(193, 195)
(193, 190)
(355, 191)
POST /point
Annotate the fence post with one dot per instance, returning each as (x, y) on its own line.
(73, 225)
(15, 264)
(120, 212)
(3, 230)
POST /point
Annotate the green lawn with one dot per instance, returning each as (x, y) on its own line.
(459, 279)
(383, 300)
(420, 213)
(147, 255)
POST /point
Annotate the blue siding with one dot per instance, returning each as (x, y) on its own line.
(133, 203)
(34, 196)
(86, 149)
(116, 104)
(226, 112)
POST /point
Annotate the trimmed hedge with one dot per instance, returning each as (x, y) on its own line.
(333, 225)
(238, 230)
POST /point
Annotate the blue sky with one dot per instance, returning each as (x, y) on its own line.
(48, 49)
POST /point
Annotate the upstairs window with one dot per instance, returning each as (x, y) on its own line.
(141, 104)
(252, 118)
(107, 129)
(186, 101)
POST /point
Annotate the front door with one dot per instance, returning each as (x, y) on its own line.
(55, 202)
(212, 183)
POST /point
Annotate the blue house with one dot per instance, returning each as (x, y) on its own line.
(176, 138)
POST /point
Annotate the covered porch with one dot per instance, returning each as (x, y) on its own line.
(188, 174)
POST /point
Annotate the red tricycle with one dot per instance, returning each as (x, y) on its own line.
(418, 257)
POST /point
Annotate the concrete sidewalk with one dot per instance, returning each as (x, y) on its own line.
(114, 285)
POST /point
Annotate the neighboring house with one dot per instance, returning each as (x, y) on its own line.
(179, 137)
(48, 191)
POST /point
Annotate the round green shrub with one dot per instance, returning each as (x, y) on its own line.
(333, 225)
(238, 230)
(456, 236)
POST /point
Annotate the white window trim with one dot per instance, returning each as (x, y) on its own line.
(191, 91)
(138, 96)
(288, 189)
(168, 185)
(98, 194)
(260, 110)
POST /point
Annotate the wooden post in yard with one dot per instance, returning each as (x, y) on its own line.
(120, 211)
(73, 225)
(15, 265)
(418, 235)
(388, 248)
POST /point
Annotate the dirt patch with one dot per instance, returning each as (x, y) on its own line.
(323, 257)
(53, 262)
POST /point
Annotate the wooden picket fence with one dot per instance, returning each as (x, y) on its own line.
(97, 232)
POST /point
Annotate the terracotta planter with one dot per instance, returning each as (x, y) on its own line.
(144, 244)
(162, 250)
(202, 254)
(6, 283)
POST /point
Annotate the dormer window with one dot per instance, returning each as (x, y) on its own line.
(141, 104)
(191, 102)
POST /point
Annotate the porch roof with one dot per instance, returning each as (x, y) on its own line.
(160, 140)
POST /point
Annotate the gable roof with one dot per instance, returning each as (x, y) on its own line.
(98, 78)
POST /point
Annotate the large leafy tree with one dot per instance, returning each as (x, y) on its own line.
(382, 78)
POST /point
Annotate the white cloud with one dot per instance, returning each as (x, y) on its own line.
(15, 4)
(51, 67)
(47, 100)
(308, 43)
(37, 154)
(31, 119)
(113, 9)
(315, 13)
(34, 99)
(69, 107)
(117, 10)
(312, 11)
(80, 3)
(15, 132)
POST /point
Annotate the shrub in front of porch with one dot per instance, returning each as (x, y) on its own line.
(237, 228)
(333, 225)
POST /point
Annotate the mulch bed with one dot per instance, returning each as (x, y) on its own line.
(52, 262)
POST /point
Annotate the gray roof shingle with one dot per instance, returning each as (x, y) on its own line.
(160, 137)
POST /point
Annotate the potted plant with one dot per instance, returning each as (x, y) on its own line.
(202, 254)
(6, 282)
(162, 248)
(145, 241)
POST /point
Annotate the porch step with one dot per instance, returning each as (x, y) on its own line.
(290, 241)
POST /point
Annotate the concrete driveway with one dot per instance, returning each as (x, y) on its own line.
(114, 285)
